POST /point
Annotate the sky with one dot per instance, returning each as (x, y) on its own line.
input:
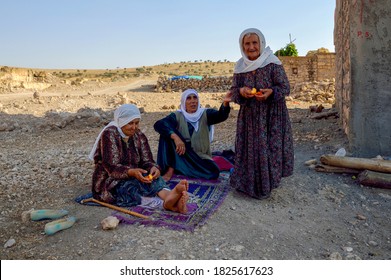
(97, 34)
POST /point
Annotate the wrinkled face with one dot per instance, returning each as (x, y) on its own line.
(130, 128)
(251, 46)
(191, 104)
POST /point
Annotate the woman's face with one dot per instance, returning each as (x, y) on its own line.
(251, 46)
(191, 104)
(130, 128)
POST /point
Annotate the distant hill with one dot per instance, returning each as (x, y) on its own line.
(204, 68)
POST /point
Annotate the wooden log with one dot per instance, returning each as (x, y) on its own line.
(378, 165)
(335, 169)
(375, 179)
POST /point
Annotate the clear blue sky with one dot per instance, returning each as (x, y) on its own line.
(86, 34)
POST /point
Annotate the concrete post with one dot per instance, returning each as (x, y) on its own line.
(364, 74)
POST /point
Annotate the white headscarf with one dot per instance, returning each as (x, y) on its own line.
(244, 64)
(122, 116)
(193, 118)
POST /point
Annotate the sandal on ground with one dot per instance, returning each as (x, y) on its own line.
(43, 214)
(57, 225)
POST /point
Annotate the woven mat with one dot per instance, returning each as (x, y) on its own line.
(205, 198)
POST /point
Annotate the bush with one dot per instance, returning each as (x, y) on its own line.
(289, 50)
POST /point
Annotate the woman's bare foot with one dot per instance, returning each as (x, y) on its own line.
(166, 177)
(173, 200)
(182, 202)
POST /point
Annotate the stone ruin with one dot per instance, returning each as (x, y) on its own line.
(315, 92)
(207, 84)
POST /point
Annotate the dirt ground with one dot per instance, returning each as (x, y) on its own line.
(44, 143)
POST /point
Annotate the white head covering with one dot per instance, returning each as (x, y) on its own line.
(122, 116)
(244, 64)
(193, 118)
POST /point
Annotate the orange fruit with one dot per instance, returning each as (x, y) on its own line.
(254, 91)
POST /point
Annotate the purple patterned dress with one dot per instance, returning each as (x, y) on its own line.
(264, 144)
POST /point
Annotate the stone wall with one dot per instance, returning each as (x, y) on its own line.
(342, 64)
(362, 37)
(207, 84)
(315, 67)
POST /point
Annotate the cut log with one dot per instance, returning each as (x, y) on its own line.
(375, 179)
(378, 165)
(335, 169)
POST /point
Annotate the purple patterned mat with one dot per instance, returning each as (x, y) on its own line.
(205, 197)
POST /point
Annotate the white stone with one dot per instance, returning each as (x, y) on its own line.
(109, 223)
(11, 242)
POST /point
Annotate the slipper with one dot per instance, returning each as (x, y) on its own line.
(57, 225)
(37, 215)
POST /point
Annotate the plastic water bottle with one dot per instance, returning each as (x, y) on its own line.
(341, 152)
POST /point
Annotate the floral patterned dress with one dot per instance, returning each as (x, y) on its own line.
(113, 158)
(264, 144)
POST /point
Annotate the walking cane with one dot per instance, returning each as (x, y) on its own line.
(120, 209)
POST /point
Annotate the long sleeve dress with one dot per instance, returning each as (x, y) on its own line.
(190, 164)
(264, 143)
(113, 158)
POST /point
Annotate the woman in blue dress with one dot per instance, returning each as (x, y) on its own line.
(185, 137)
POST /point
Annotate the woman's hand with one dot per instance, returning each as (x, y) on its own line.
(155, 172)
(179, 144)
(246, 92)
(138, 174)
(227, 99)
(265, 93)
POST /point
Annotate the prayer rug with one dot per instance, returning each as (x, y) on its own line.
(205, 197)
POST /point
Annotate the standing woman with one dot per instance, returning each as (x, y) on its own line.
(264, 144)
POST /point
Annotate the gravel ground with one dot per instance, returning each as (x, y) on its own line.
(44, 143)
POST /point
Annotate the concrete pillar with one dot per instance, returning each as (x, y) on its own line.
(363, 52)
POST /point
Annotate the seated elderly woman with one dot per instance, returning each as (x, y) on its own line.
(185, 137)
(123, 158)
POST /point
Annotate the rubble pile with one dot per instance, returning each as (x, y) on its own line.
(315, 92)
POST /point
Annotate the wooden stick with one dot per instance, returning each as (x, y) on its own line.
(358, 163)
(335, 169)
(120, 209)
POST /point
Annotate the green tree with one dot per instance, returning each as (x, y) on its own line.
(289, 50)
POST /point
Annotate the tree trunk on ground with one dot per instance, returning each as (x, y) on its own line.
(357, 163)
